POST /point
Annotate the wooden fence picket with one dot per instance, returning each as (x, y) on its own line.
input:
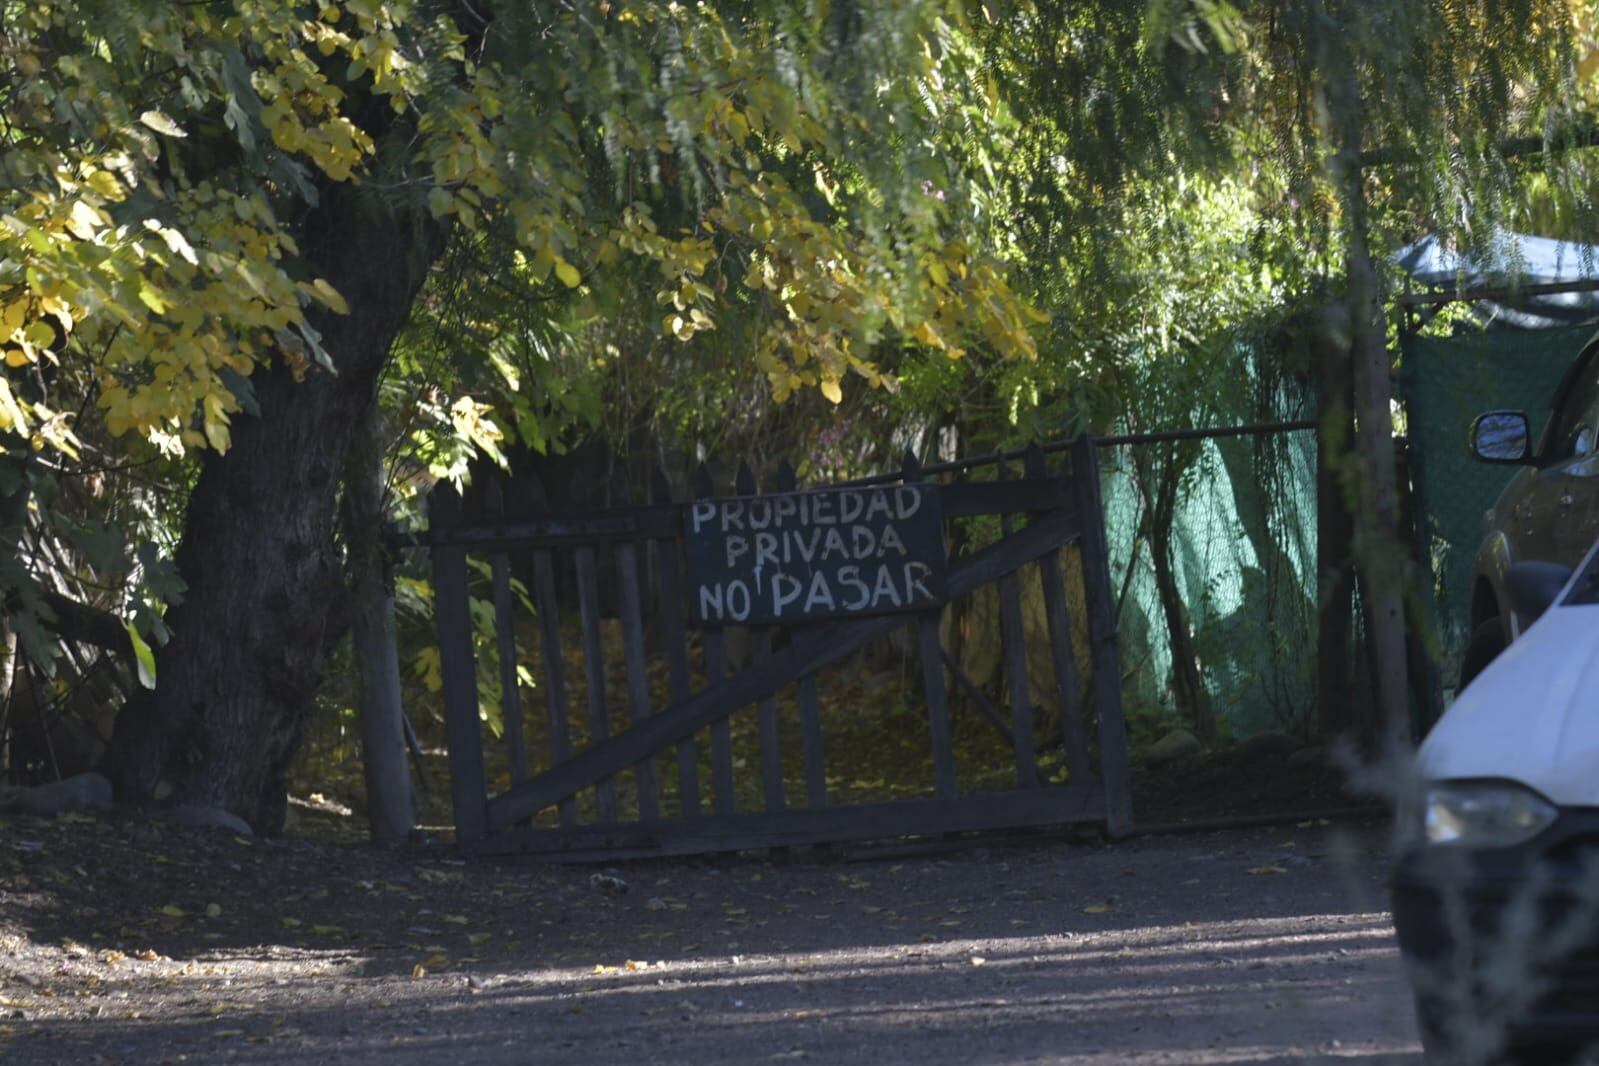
(889, 530)
(722, 787)
(588, 603)
(675, 634)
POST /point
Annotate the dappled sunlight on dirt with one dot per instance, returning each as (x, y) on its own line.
(1236, 948)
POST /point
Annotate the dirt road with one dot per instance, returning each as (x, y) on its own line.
(1244, 947)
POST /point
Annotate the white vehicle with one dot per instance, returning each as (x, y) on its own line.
(1497, 902)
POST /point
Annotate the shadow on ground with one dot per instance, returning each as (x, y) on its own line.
(136, 942)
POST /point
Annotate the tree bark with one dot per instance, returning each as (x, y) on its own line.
(1335, 430)
(390, 814)
(1187, 681)
(235, 682)
(1379, 549)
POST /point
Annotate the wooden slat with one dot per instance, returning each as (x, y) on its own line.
(531, 493)
(767, 727)
(1058, 616)
(588, 603)
(553, 531)
(1014, 637)
(665, 521)
(675, 636)
(633, 653)
(1113, 768)
(810, 711)
(766, 721)
(809, 651)
(931, 648)
(723, 796)
(458, 664)
(739, 832)
(962, 499)
(505, 637)
(977, 697)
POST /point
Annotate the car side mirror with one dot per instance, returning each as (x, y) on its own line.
(1534, 585)
(1502, 437)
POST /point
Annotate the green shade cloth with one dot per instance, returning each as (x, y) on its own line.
(1445, 383)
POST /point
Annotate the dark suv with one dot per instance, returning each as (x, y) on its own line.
(1548, 512)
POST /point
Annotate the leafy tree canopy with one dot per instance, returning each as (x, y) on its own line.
(158, 155)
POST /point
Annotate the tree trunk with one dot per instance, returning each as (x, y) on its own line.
(1192, 695)
(235, 682)
(1335, 430)
(1379, 549)
(388, 779)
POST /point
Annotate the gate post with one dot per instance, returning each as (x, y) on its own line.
(458, 665)
(1113, 766)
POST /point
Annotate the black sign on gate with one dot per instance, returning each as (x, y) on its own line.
(798, 556)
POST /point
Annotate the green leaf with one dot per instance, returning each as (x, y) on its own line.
(143, 655)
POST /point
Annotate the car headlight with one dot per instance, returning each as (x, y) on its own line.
(1485, 814)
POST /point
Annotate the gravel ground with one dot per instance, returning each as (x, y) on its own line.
(127, 941)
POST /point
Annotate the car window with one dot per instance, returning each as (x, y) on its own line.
(1572, 431)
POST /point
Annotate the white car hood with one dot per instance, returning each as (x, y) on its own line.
(1532, 716)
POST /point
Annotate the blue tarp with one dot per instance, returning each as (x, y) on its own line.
(1515, 260)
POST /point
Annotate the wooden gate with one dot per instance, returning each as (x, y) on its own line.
(680, 727)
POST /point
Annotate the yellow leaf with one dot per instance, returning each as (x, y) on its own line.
(213, 910)
(216, 423)
(11, 414)
(330, 296)
(151, 298)
(161, 123)
(1097, 908)
(290, 923)
(174, 240)
(543, 260)
(105, 183)
(84, 221)
(12, 316)
(831, 389)
(172, 911)
(419, 971)
(924, 332)
(567, 273)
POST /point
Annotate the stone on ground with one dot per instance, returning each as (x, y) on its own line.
(80, 792)
(1178, 744)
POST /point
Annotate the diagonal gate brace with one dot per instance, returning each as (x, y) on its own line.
(809, 651)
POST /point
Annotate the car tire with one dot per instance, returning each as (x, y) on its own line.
(1438, 1045)
(1441, 1045)
(1487, 641)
